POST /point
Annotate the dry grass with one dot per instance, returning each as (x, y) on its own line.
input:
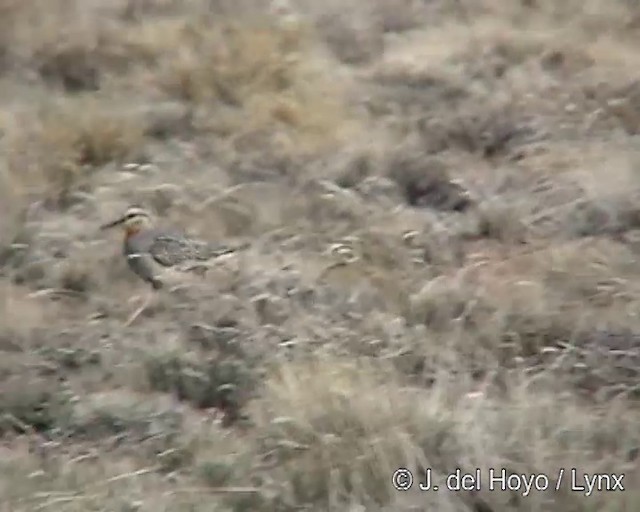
(53, 152)
(441, 199)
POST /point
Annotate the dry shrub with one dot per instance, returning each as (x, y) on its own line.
(330, 445)
(398, 16)
(103, 43)
(230, 65)
(30, 403)
(255, 77)
(19, 316)
(352, 30)
(425, 182)
(8, 12)
(37, 35)
(73, 67)
(246, 74)
(246, 70)
(332, 431)
(54, 151)
(362, 23)
(523, 305)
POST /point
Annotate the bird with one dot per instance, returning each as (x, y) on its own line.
(150, 250)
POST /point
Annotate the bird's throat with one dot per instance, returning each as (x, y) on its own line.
(131, 231)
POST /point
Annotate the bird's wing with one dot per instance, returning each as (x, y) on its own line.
(169, 250)
(215, 251)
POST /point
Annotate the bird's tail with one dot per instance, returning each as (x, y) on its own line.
(222, 250)
(206, 256)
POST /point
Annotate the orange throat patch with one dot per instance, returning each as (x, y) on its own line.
(130, 231)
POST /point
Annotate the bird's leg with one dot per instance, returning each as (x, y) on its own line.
(134, 299)
(139, 311)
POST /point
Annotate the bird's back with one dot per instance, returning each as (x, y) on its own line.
(171, 249)
(149, 249)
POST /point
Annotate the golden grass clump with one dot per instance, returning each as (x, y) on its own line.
(332, 444)
(54, 152)
(253, 77)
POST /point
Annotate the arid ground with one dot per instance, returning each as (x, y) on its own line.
(441, 200)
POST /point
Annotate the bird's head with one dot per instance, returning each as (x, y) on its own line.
(134, 219)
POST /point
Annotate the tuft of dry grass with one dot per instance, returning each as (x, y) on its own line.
(54, 152)
(252, 76)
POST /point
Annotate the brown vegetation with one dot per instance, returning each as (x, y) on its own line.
(441, 198)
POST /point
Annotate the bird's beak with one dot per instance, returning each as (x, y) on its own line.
(113, 224)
